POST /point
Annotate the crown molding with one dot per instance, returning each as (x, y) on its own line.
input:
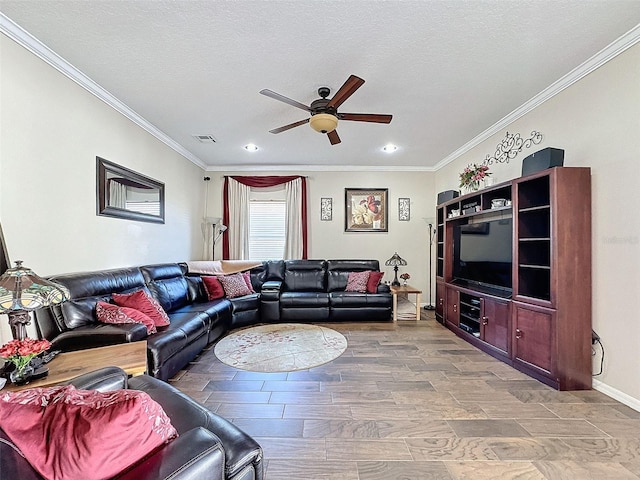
(318, 168)
(35, 46)
(611, 51)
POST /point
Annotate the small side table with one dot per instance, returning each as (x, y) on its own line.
(131, 357)
(405, 289)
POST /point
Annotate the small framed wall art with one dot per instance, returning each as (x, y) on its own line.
(326, 209)
(404, 209)
(366, 209)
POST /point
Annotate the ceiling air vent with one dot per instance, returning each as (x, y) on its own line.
(205, 138)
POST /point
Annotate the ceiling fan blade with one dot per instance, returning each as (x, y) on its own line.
(290, 126)
(366, 117)
(282, 98)
(333, 137)
(351, 85)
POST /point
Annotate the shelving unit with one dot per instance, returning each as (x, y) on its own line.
(534, 238)
(470, 314)
(544, 327)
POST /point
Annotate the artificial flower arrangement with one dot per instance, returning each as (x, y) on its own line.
(20, 352)
(472, 175)
(405, 277)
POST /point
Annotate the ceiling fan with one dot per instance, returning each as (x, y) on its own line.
(324, 112)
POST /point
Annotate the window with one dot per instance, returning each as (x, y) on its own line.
(267, 230)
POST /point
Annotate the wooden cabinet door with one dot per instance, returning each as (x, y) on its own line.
(453, 307)
(494, 323)
(533, 336)
(440, 301)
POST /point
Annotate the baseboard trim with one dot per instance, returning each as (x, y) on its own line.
(616, 394)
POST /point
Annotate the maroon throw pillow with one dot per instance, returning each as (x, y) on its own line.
(143, 301)
(234, 285)
(357, 282)
(110, 313)
(247, 280)
(374, 281)
(65, 433)
(213, 287)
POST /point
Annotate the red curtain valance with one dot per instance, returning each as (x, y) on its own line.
(264, 182)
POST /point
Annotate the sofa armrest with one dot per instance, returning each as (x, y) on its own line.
(98, 336)
(104, 380)
(195, 454)
(271, 285)
(383, 288)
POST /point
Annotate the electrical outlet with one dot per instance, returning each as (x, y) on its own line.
(594, 337)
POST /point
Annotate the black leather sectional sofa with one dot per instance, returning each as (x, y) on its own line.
(287, 291)
(208, 446)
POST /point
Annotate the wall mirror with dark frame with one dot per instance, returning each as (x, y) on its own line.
(123, 193)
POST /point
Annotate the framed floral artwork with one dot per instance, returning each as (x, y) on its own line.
(326, 209)
(404, 209)
(366, 209)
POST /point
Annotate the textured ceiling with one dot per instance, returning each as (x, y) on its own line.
(446, 70)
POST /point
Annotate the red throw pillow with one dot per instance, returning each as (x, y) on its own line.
(213, 287)
(357, 282)
(110, 313)
(234, 285)
(143, 301)
(247, 280)
(66, 433)
(374, 281)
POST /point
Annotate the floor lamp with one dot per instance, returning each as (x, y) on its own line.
(213, 221)
(221, 229)
(432, 234)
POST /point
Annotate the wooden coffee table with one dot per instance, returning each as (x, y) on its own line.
(405, 289)
(131, 357)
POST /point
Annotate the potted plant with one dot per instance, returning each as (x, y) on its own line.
(20, 353)
(472, 175)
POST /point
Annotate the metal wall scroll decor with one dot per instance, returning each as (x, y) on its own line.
(326, 209)
(511, 146)
(404, 209)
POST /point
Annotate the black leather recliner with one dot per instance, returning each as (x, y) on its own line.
(208, 446)
(289, 291)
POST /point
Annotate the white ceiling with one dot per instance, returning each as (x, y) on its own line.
(447, 70)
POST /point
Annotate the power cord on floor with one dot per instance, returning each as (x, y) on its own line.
(593, 353)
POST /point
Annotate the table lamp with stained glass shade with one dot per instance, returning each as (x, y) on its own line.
(22, 291)
(395, 262)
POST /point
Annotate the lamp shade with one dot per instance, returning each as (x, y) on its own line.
(396, 261)
(323, 122)
(21, 289)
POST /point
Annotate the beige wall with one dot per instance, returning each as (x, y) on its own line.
(51, 131)
(597, 122)
(329, 240)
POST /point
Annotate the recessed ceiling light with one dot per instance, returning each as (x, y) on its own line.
(250, 147)
(389, 148)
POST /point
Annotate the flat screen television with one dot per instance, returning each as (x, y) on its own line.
(482, 254)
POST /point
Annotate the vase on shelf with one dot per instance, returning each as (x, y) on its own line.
(471, 187)
(404, 283)
(22, 376)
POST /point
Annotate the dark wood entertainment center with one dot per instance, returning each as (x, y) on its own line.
(542, 324)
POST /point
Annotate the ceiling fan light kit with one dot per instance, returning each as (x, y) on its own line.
(324, 112)
(323, 122)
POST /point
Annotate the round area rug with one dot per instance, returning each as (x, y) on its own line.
(283, 347)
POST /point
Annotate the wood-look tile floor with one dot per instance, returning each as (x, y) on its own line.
(412, 401)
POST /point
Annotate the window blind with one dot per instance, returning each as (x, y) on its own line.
(267, 229)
